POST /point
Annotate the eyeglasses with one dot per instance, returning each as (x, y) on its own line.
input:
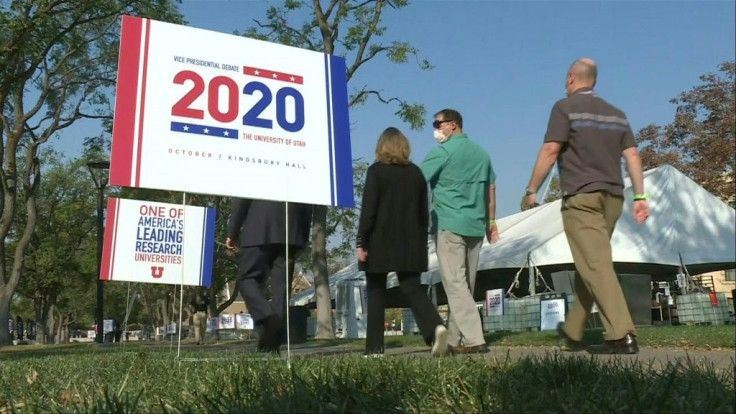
(436, 124)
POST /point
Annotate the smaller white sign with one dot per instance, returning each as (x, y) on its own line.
(212, 324)
(226, 322)
(494, 302)
(553, 310)
(107, 326)
(153, 242)
(244, 321)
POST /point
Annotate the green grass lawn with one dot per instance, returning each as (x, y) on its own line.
(155, 381)
(140, 378)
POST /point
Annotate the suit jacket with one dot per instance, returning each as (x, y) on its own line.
(394, 219)
(261, 222)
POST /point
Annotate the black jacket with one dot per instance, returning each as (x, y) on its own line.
(260, 222)
(394, 218)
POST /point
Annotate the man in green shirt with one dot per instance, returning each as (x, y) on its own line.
(462, 181)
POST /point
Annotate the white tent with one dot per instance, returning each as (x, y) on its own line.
(686, 223)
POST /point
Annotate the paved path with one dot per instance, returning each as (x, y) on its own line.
(659, 357)
(721, 359)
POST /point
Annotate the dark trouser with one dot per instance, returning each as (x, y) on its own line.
(424, 311)
(256, 264)
(589, 220)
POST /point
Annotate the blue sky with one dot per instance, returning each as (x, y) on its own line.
(502, 64)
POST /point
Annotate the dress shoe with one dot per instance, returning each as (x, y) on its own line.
(571, 345)
(476, 349)
(269, 338)
(439, 347)
(625, 345)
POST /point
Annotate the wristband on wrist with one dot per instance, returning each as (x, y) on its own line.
(641, 197)
(491, 222)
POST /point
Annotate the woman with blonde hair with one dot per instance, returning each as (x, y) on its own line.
(392, 237)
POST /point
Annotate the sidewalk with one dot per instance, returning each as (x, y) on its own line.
(720, 358)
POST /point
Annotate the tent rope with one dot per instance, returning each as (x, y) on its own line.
(690, 285)
(537, 276)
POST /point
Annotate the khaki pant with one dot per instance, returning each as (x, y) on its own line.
(200, 326)
(458, 259)
(589, 220)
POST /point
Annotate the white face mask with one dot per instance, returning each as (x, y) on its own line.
(439, 136)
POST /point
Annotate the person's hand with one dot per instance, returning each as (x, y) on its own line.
(492, 233)
(531, 200)
(230, 244)
(641, 211)
(362, 254)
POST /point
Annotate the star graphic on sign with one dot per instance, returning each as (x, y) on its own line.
(256, 72)
(226, 133)
(293, 79)
(186, 127)
(275, 76)
(206, 131)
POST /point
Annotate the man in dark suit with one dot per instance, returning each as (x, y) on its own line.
(259, 227)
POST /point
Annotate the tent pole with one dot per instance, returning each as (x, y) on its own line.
(532, 284)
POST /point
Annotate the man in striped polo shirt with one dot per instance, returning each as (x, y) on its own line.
(587, 137)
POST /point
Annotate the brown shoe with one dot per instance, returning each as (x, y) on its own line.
(477, 349)
(454, 350)
(571, 345)
(625, 345)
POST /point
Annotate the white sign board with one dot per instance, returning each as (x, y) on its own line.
(494, 302)
(206, 112)
(553, 310)
(152, 242)
(244, 321)
(107, 326)
(226, 322)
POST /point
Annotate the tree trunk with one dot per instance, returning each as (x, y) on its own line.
(5, 338)
(62, 336)
(50, 327)
(321, 278)
(31, 183)
(41, 310)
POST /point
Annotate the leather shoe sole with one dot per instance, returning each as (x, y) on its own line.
(625, 345)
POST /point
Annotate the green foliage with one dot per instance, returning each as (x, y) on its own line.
(701, 141)
(58, 61)
(60, 262)
(154, 381)
(348, 28)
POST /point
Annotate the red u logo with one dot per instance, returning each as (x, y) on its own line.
(157, 271)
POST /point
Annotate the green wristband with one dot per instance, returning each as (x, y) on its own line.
(641, 197)
(491, 222)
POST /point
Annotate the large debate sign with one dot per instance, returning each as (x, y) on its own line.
(158, 243)
(205, 112)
